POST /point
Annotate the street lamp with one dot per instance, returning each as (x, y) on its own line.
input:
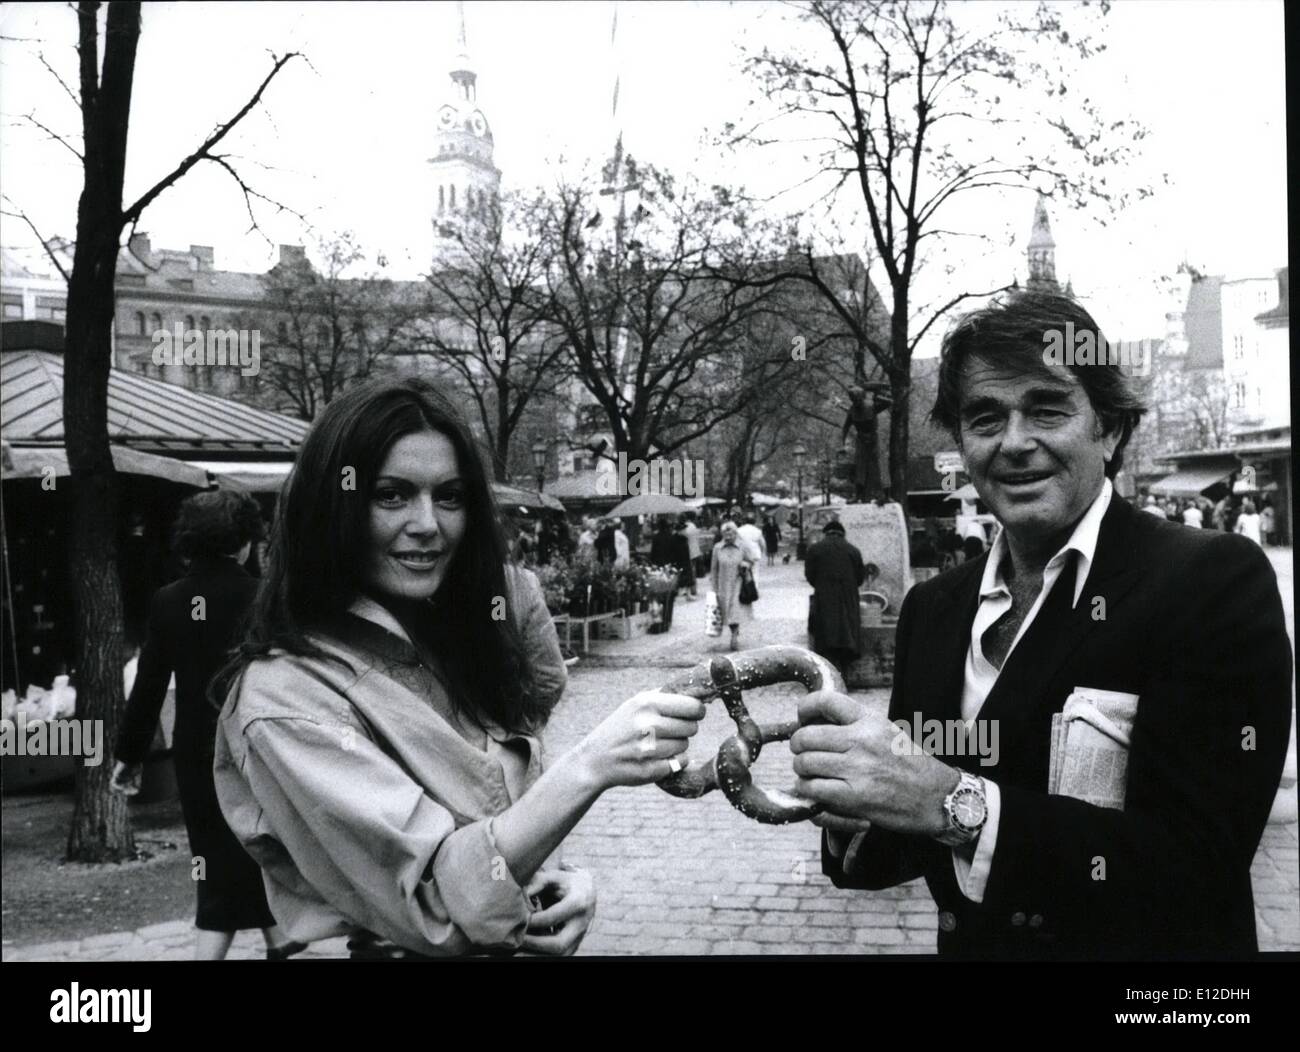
(799, 453)
(539, 462)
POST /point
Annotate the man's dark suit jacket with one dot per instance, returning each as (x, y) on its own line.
(1193, 624)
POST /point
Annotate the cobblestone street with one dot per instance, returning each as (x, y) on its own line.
(694, 876)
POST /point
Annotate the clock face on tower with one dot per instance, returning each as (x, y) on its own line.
(478, 124)
(446, 118)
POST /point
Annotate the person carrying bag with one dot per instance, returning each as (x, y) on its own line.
(748, 589)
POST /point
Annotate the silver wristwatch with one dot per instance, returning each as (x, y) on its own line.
(966, 810)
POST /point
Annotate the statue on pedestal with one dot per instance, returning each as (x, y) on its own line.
(869, 401)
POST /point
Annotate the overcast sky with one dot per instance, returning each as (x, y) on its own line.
(347, 139)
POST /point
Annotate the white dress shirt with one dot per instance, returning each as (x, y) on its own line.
(995, 600)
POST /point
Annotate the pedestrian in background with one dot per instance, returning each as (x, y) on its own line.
(1266, 524)
(752, 537)
(1192, 515)
(1248, 523)
(214, 532)
(771, 538)
(586, 547)
(680, 552)
(731, 561)
(692, 534)
(545, 542)
(622, 549)
(834, 568)
(606, 548)
(1219, 516)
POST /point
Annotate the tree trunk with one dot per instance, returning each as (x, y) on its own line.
(501, 448)
(900, 389)
(101, 826)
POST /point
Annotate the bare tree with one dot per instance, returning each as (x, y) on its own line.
(653, 325)
(1206, 396)
(915, 107)
(101, 829)
(485, 315)
(329, 329)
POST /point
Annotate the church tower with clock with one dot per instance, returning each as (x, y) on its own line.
(466, 182)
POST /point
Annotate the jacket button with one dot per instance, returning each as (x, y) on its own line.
(1017, 919)
(1036, 921)
(947, 921)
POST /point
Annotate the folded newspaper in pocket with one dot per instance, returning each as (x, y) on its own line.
(1089, 748)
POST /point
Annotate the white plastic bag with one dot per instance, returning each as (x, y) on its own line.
(712, 615)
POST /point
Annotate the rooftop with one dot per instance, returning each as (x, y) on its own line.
(143, 413)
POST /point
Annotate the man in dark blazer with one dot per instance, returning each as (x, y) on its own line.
(835, 570)
(1080, 596)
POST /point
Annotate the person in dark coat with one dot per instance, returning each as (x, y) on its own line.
(606, 548)
(661, 545)
(834, 568)
(670, 549)
(193, 624)
(680, 556)
(545, 542)
(771, 539)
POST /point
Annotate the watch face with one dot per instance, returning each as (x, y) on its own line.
(446, 117)
(968, 810)
(478, 123)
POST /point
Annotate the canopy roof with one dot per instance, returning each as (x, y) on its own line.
(143, 413)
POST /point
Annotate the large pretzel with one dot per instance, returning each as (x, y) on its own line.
(726, 677)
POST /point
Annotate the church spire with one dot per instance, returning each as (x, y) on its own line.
(462, 69)
(1042, 251)
(466, 182)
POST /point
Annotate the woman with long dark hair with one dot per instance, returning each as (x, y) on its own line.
(378, 751)
(193, 624)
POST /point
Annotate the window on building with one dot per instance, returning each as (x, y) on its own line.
(1239, 395)
(13, 311)
(205, 323)
(189, 322)
(441, 200)
(140, 329)
(1238, 346)
(156, 321)
(282, 333)
(453, 196)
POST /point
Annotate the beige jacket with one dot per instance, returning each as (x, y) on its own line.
(364, 804)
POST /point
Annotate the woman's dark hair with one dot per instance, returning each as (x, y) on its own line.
(1020, 327)
(321, 530)
(218, 522)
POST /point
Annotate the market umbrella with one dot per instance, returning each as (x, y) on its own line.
(649, 504)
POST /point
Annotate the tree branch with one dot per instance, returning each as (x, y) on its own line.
(204, 152)
(20, 214)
